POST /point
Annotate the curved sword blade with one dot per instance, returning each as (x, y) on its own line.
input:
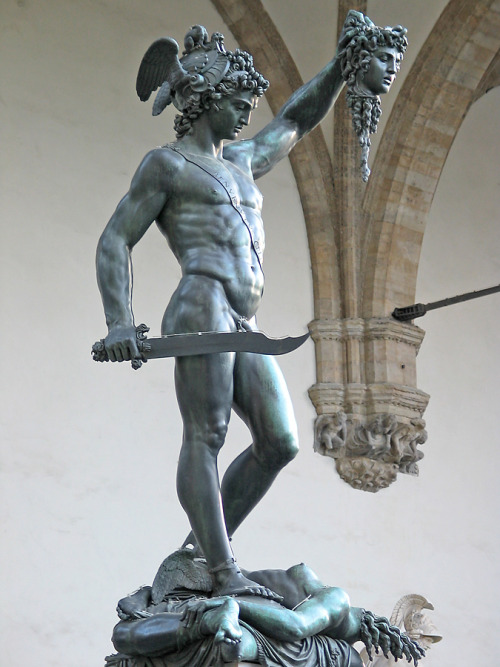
(209, 342)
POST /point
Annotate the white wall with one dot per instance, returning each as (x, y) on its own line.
(89, 451)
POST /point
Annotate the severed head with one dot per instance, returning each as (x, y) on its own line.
(369, 57)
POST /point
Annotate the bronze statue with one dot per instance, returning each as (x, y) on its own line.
(314, 625)
(202, 195)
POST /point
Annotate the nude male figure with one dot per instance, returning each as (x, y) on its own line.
(202, 195)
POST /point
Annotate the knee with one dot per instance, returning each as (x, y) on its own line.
(214, 435)
(210, 435)
(279, 451)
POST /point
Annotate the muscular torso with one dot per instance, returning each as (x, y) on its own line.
(206, 232)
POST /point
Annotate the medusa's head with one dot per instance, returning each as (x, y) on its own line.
(362, 43)
(204, 74)
(369, 58)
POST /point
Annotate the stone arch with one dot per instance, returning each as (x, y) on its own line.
(458, 62)
(365, 243)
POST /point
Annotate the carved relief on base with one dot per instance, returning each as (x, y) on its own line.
(369, 452)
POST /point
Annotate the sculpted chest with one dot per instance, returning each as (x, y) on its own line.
(209, 183)
(212, 181)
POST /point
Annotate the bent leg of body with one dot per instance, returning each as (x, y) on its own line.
(262, 400)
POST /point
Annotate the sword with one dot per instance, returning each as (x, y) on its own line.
(419, 309)
(203, 342)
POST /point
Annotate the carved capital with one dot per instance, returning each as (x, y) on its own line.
(369, 452)
(360, 400)
(375, 328)
(369, 409)
(387, 328)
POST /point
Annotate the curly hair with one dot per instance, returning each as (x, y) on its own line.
(241, 75)
(358, 50)
(355, 54)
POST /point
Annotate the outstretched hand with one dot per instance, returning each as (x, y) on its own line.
(378, 633)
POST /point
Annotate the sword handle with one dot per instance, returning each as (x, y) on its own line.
(99, 352)
(409, 312)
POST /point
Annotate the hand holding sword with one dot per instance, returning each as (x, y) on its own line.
(136, 347)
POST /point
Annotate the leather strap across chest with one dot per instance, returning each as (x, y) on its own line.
(228, 188)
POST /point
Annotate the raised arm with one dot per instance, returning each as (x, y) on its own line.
(299, 115)
(133, 216)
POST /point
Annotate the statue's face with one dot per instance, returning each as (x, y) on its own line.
(233, 114)
(378, 79)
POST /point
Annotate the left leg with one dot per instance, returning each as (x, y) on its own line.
(261, 399)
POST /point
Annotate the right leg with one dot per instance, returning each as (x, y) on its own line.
(204, 385)
(204, 394)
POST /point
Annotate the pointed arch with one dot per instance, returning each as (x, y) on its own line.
(456, 64)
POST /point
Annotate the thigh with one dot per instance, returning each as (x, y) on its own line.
(204, 387)
(261, 398)
(204, 383)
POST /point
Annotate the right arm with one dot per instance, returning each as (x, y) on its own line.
(133, 216)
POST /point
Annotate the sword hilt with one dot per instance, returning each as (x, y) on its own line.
(99, 352)
(409, 312)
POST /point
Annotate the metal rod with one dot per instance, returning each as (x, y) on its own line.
(419, 309)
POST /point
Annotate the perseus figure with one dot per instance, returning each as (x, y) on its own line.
(202, 195)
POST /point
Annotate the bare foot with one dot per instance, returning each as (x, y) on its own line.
(134, 605)
(228, 580)
(222, 622)
(214, 616)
